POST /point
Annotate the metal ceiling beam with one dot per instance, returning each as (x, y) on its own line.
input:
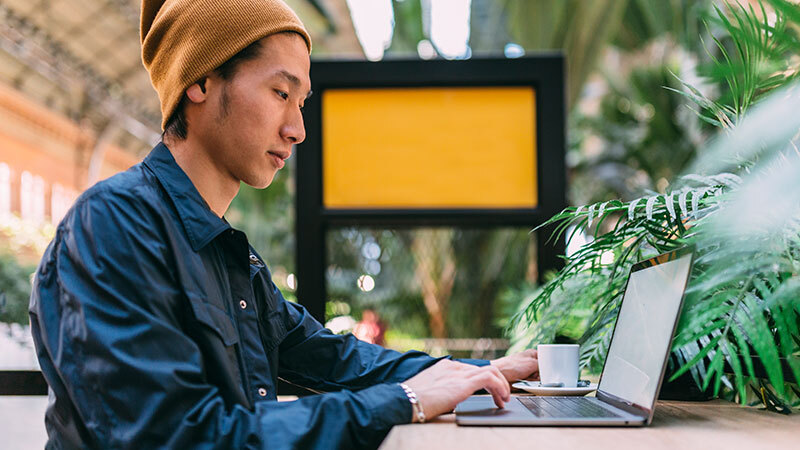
(84, 23)
(108, 50)
(325, 14)
(36, 48)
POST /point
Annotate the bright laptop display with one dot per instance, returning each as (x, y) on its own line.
(643, 332)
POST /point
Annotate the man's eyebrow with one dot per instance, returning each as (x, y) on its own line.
(293, 79)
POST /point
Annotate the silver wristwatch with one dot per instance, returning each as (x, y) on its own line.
(416, 406)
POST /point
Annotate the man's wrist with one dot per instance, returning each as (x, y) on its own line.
(418, 414)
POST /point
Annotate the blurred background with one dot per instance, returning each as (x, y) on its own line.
(76, 106)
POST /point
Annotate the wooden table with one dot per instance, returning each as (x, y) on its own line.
(677, 425)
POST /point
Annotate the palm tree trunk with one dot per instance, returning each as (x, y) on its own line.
(436, 273)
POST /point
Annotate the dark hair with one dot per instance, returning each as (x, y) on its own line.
(176, 125)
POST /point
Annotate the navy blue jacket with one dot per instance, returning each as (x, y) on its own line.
(157, 325)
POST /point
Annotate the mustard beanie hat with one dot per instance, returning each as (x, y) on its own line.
(182, 40)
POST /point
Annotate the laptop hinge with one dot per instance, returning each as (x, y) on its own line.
(629, 407)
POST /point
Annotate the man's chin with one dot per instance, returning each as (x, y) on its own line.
(259, 182)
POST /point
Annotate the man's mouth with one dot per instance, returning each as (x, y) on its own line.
(279, 158)
(281, 155)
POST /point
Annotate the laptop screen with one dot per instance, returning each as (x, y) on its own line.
(644, 329)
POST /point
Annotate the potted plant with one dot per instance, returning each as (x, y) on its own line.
(739, 334)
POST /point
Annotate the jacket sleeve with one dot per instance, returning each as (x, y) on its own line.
(312, 356)
(110, 343)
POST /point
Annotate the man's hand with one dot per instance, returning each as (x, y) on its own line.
(447, 383)
(519, 366)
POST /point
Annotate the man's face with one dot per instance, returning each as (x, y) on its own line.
(250, 122)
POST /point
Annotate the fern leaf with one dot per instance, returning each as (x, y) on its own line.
(714, 367)
(696, 358)
(758, 332)
(732, 356)
(649, 207)
(670, 201)
(601, 212)
(682, 203)
(696, 196)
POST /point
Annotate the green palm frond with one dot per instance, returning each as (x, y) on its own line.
(743, 301)
(740, 327)
(762, 58)
(643, 227)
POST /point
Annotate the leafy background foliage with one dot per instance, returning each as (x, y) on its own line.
(741, 318)
(14, 289)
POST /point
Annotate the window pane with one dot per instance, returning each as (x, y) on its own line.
(433, 289)
(5, 189)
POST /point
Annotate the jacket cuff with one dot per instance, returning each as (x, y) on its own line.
(389, 404)
(474, 362)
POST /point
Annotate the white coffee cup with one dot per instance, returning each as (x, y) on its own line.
(558, 363)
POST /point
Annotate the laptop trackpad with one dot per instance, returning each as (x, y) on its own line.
(484, 406)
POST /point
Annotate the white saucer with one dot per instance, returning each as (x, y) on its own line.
(534, 387)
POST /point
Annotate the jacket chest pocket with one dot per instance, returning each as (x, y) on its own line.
(270, 302)
(273, 329)
(218, 339)
(214, 318)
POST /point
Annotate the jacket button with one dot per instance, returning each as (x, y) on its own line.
(262, 392)
(243, 304)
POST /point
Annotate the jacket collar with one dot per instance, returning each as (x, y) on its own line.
(199, 221)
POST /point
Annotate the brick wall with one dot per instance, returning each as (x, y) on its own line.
(45, 157)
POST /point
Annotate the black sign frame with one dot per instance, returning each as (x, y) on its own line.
(544, 73)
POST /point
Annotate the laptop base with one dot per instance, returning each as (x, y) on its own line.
(481, 411)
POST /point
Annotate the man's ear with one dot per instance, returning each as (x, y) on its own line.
(197, 91)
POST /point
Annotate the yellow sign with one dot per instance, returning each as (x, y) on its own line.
(426, 148)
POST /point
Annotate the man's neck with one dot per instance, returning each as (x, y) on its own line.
(215, 186)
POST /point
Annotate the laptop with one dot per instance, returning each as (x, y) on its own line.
(633, 370)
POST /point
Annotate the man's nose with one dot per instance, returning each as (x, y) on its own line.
(294, 129)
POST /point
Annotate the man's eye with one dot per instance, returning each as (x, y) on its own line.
(282, 94)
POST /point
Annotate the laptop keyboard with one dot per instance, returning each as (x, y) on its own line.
(561, 407)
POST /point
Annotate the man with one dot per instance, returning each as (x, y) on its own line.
(157, 325)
